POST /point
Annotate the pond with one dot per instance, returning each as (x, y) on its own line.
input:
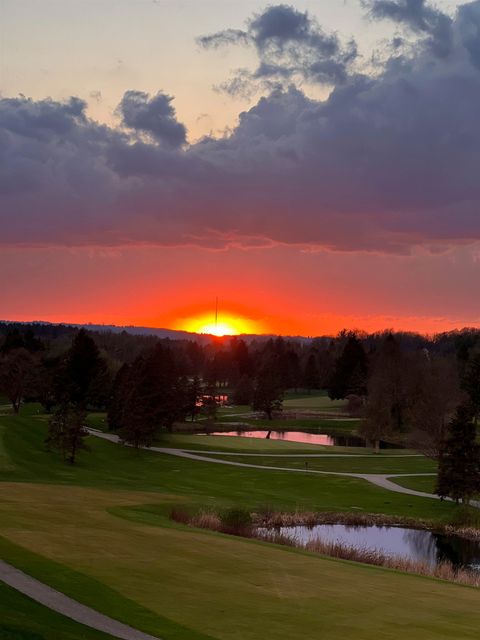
(304, 437)
(413, 544)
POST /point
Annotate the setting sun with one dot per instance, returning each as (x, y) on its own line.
(227, 324)
(219, 329)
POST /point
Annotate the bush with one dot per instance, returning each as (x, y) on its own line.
(236, 521)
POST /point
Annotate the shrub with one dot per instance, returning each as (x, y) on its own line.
(236, 521)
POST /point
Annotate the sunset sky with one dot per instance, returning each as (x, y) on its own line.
(315, 165)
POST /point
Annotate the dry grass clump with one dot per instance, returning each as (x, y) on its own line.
(469, 533)
(206, 520)
(443, 570)
(310, 519)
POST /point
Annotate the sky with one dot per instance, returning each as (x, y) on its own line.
(313, 164)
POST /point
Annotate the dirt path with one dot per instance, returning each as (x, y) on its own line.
(61, 603)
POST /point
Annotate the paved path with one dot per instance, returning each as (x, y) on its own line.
(380, 480)
(61, 603)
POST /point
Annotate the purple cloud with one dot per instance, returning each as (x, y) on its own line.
(385, 163)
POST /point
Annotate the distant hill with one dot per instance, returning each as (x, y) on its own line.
(171, 334)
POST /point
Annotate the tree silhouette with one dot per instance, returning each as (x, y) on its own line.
(459, 463)
(350, 372)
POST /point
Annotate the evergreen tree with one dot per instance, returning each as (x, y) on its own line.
(243, 392)
(459, 464)
(311, 375)
(153, 397)
(350, 372)
(67, 430)
(118, 399)
(471, 383)
(86, 379)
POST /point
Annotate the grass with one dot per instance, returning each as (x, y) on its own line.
(24, 619)
(419, 483)
(100, 533)
(111, 466)
(314, 400)
(370, 464)
(164, 579)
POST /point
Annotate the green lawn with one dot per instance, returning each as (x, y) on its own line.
(99, 533)
(419, 483)
(315, 400)
(110, 466)
(370, 464)
(24, 619)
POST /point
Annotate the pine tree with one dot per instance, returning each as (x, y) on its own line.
(471, 384)
(243, 392)
(85, 379)
(350, 373)
(459, 463)
(311, 375)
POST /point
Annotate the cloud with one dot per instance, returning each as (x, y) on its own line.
(290, 44)
(385, 163)
(154, 116)
(420, 17)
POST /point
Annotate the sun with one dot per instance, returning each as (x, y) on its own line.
(219, 329)
(227, 324)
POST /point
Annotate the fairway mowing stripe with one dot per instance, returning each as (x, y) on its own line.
(68, 607)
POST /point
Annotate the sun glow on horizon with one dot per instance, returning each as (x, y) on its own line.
(227, 324)
(219, 329)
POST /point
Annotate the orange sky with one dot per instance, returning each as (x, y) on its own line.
(279, 290)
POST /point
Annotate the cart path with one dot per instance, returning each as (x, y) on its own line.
(66, 606)
(380, 480)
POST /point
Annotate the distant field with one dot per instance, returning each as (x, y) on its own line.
(314, 401)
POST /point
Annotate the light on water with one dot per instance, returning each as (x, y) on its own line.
(416, 545)
(303, 437)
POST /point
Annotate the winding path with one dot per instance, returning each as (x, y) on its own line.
(380, 480)
(68, 607)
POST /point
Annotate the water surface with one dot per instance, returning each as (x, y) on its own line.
(303, 437)
(414, 544)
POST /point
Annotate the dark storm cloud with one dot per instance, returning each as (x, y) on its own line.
(154, 116)
(289, 44)
(420, 17)
(385, 163)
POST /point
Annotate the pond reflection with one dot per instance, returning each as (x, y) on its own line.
(413, 544)
(303, 437)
